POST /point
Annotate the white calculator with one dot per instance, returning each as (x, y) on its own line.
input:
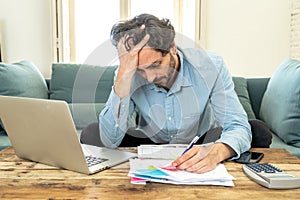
(270, 176)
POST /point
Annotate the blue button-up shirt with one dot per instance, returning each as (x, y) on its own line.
(202, 97)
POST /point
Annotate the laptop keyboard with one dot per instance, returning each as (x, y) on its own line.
(91, 160)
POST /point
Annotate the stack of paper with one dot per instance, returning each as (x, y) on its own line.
(166, 151)
(155, 169)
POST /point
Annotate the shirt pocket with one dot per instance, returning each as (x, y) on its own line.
(190, 122)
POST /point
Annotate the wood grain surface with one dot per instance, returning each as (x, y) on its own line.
(22, 179)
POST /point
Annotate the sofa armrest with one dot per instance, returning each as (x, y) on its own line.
(256, 90)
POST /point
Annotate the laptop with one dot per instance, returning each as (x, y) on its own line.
(43, 131)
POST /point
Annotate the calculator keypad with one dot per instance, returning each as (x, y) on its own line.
(270, 176)
(265, 167)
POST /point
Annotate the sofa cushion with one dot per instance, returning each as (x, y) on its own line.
(256, 89)
(84, 114)
(278, 143)
(22, 79)
(81, 83)
(280, 107)
(241, 89)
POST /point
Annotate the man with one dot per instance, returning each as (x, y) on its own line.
(179, 93)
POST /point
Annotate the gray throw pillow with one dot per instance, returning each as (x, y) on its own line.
(241, 89)
(280, 107)
(22, 79)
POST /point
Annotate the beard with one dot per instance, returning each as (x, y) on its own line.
(170, 76)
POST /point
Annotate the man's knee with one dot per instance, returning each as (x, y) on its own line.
(91, 135)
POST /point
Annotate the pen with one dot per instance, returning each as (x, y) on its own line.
(194, 141)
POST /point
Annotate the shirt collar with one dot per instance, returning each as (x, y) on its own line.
(184, 77)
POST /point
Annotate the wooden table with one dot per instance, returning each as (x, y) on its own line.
(20, 179)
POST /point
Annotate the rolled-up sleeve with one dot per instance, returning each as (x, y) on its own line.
(229, 111)
(115, 119)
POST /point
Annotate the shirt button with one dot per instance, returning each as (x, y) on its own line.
(123, 106)
(117, 125)
(170, 118)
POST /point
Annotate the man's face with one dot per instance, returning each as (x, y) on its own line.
(156, 68)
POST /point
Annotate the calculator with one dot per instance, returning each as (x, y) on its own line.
(270, 176)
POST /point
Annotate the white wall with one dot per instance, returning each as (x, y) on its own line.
(25, 27)
(252, 35)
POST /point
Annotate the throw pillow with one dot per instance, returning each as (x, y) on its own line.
(261, 134)
(280, 107)
(22, 79)
(81, 83)
(241, 89)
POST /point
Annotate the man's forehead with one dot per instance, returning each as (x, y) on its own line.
(148, 55)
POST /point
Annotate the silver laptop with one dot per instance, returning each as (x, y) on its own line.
(43, 131)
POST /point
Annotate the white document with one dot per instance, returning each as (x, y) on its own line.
(166, 151)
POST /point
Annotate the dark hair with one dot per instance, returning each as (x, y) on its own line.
(161, 32)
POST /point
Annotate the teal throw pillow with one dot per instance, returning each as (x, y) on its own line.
(280, 107)
(22, 79)
(81, 83)
(241, 89)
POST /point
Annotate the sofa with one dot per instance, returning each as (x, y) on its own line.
(87, 87)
